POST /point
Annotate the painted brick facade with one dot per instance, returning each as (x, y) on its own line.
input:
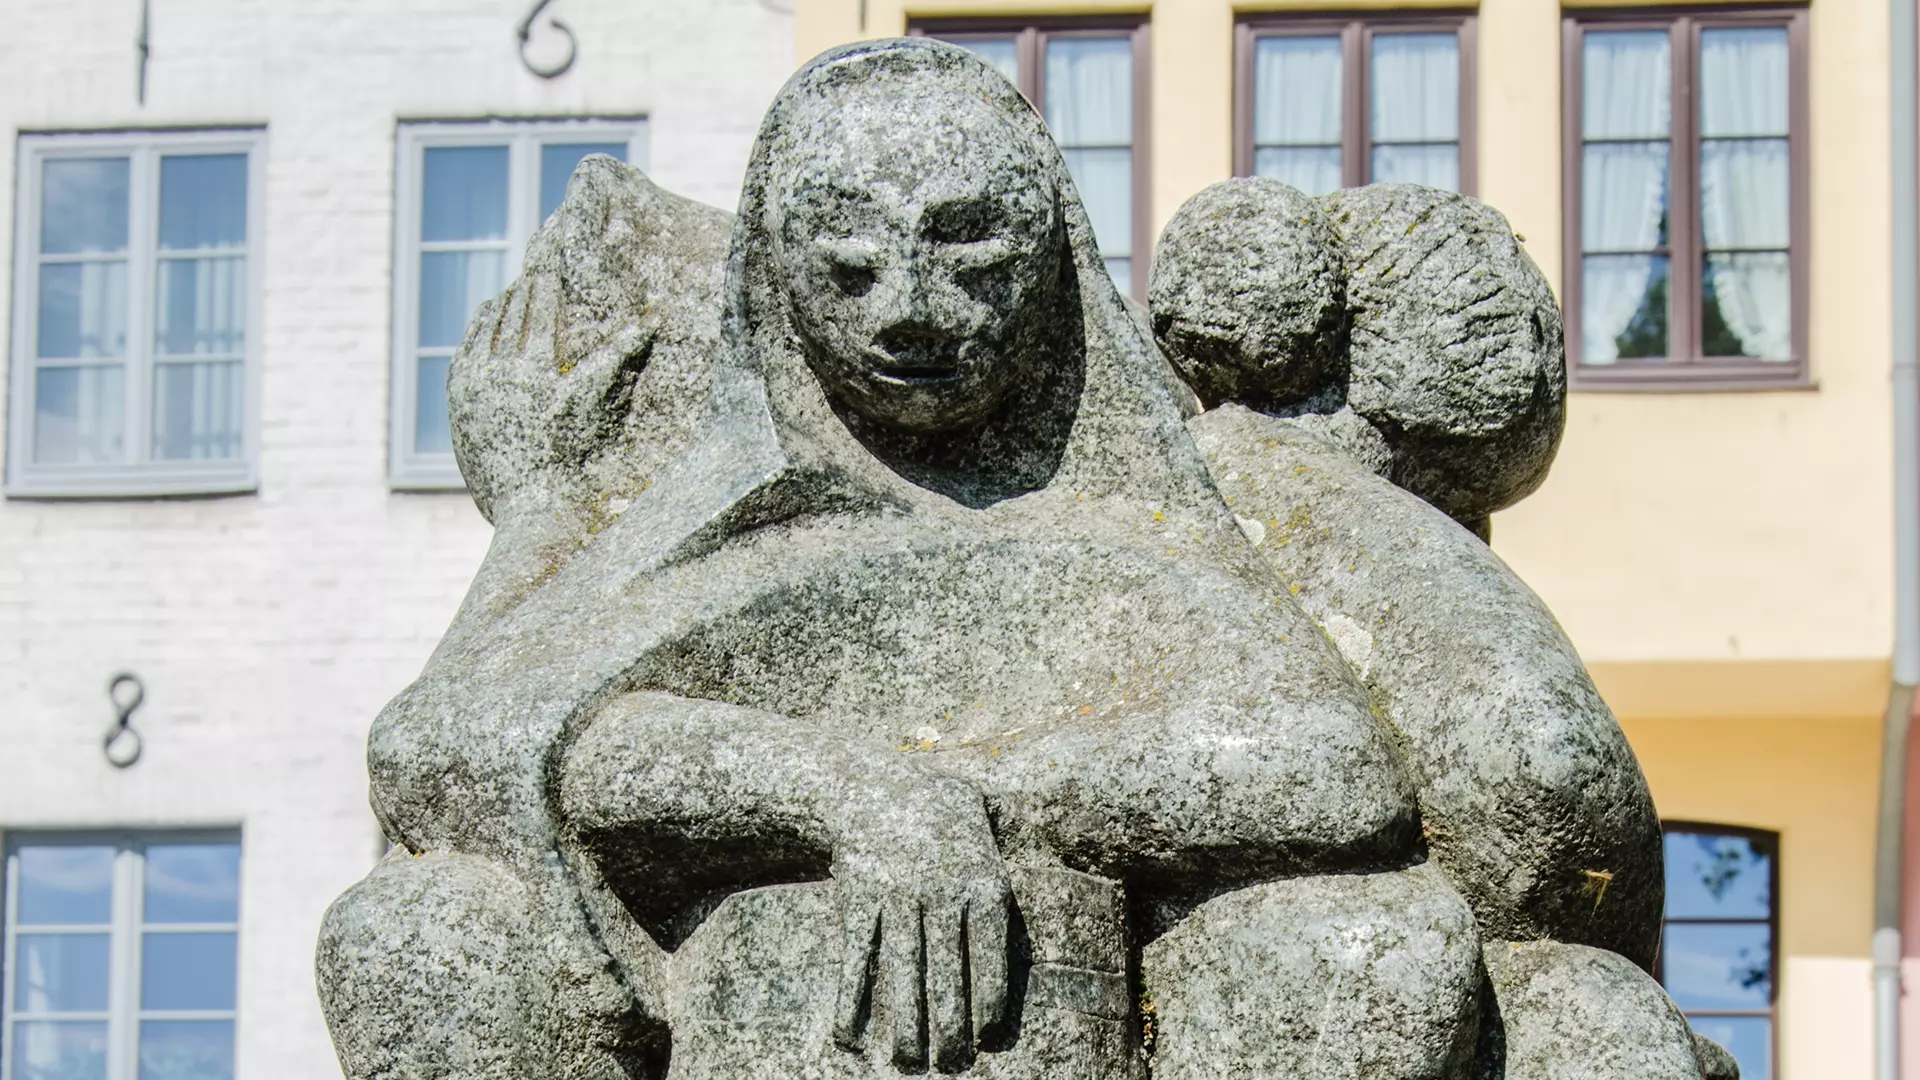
(269, 628)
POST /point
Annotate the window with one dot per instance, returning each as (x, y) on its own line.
(136, 307)
(121, 958)
(470, 196)
(1089, 80)
(1721, 938)
(1686, 180)
(1327, 103)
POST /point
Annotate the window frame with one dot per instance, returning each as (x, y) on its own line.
(140, 475)
(1031, 35)
(407, 468)
(1356, 33)
(123, 1013)
(1693, 370)
(1772, 922)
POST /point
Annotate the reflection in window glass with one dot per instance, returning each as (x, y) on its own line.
(1717, 949)
(80, 911)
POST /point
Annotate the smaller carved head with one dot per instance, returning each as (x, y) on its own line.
(920, 243)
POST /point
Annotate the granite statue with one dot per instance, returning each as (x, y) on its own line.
(900, 653)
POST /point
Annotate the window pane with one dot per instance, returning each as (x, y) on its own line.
(78, 419)
(60, 973)
(432, 433)
(1089, 91)
(1434, 166)
(1623, 196)
(557, 162)
(192, 883)
(1715, 876)
(83, 205)
(464, 195)
(1001, 52)
(1296, 90)
(200, 307)
(1747, 306)
(197, 410)
(1416, 87)
(1743, 193)
(45, 1050)
(1748, 1038)
(1105, 180)
(203, 201)
(83, 310)
(1313, 169)
(1743, 81)
(452, 285)
(1707, 966)
(1623, 307)
(1121, 271)
(1626, 79)
(186, 1050)
(62, 884)
(187, 971)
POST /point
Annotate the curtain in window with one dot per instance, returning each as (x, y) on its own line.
(1089, 95)
(1296, 111)
(1744, 184)
(1001, 51)
(1416, 109)
(79, 411)
(1626, 88)
(200, 308)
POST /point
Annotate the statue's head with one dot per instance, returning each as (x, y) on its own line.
(919, 243)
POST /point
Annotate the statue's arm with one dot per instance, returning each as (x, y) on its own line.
(1530, 796)
(685, 801)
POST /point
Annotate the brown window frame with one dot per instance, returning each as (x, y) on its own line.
(1030, 43)
(1692, 369)
(1356, 33)
(1772, 922)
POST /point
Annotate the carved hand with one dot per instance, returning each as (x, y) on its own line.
(922, 887)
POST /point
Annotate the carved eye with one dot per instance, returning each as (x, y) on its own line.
(966, 221)
(851, 279)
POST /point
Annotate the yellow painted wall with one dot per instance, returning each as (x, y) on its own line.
(1814, 782)
(1714, 548)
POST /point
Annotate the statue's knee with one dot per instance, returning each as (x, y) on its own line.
(1371, 975)
(422, 970)
(1570, 1010)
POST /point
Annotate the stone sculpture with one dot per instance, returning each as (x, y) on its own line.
(877, 669)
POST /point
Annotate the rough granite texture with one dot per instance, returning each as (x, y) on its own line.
(883, 665)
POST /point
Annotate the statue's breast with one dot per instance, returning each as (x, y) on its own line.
(971, 637)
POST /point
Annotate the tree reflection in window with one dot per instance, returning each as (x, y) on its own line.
(1717, 955)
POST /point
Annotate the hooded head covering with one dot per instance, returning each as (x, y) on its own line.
(917, 312)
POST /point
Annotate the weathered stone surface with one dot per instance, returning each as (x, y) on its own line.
(1530, 797)
(1715, 1062)
(1249, 296)
(1457, 353)
(1341, 977)
(1567, 1010)
(868, 666)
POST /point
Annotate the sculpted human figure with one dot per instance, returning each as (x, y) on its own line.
(926, 705)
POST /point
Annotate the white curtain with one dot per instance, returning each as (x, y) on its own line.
(1296, 111)
(1416, 100)
(79, 415)
(1744, 185)
(199, 310)
(1626, 79)
(197, 410)
(1089, 95)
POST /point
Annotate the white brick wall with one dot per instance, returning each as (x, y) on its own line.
(270, 628)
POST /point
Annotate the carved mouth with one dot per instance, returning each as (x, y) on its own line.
(918, 374)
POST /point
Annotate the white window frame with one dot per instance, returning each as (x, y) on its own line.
(123, 957)
(409, 469)
(141, 474)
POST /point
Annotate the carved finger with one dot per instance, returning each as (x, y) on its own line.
(949, 1032)
(987, 919)
(904, 954)
(861, 937)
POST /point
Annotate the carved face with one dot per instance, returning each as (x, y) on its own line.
(917, 250)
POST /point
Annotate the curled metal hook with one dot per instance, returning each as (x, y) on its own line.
(525, 33)
(123, 707)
